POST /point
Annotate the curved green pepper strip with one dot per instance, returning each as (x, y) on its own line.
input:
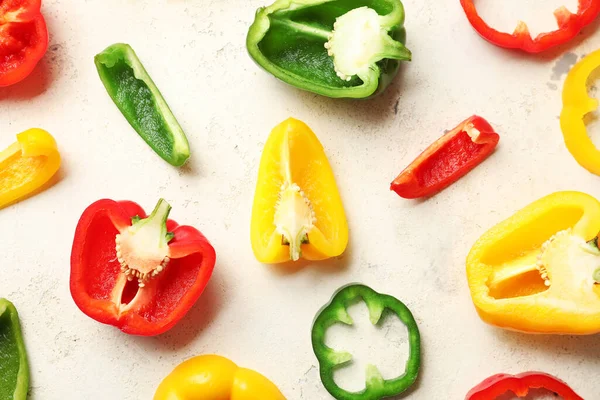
(330, 360)
(335, 48)
(142, 104)
(14, 369)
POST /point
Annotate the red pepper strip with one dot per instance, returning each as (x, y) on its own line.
(448, 159)
(499, 384)
(569, 25)
(148, 304)
(23, 39)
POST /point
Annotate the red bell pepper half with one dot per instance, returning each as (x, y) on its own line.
(139, 273)
(23, 39)
(569, 25)
(499, 384)
(447, 160)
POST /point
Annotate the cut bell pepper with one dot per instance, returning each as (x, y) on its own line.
(577, 104)
(139, 273)
(329, 359)
(26, 165)
(141, 103)
(447, 160)
(297, 210)
(536, 271)
(335, 48)
(569, 26)
(497, 385)
(23, 39)
(14, 368)
(212, 377)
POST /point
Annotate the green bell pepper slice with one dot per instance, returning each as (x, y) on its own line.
(335, 48)
(14, 369)
(141, 103)
(330, 360)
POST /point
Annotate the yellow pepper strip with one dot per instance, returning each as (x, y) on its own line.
(535, 272)
(212, 377)
(297, 211)
(26, 165)
(577, 104)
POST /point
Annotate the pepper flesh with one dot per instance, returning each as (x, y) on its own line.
(139, 273)
(14, 368)
(26, 165)
(335, 48)
(534, 272)
(297, 210)
(520, 384)
(448, 159)
(212, 377)
(141, 103)
(569, 26)
(23, 39)
(577, 104)
(330, 360)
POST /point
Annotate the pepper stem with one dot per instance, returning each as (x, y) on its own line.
(594, 244)
(158, 217)
(359, 40)
(394, 50)
(294, 218)
(143, 249)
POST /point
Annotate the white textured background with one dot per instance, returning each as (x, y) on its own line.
(257, 315)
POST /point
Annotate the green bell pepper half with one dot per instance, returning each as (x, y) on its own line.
(142, 104)
(335, 48)
(14, 369)
(330, 360)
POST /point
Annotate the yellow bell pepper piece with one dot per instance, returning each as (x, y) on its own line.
(212, 377)
(577, 104)
(26, 165)
(535, 272)
(297, 211)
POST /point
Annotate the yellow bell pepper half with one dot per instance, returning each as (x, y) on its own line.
(26, 165)
(297, 210)
(577, 105)
(538, 271)
(212, 377)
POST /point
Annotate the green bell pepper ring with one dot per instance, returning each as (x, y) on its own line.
(14, 369)
(329, 360)
(335, 48)
(142, 104)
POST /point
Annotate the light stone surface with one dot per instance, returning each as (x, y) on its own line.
(260, 316)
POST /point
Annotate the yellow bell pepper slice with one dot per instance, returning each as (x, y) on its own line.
(212, 377)
(536, 272)
(297, 211)
(577, 104)
(26, 165)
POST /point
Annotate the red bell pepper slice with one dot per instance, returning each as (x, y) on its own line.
(139, 273)
(569, 25)
(23, 39)
(499, 384)
(447, 160)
